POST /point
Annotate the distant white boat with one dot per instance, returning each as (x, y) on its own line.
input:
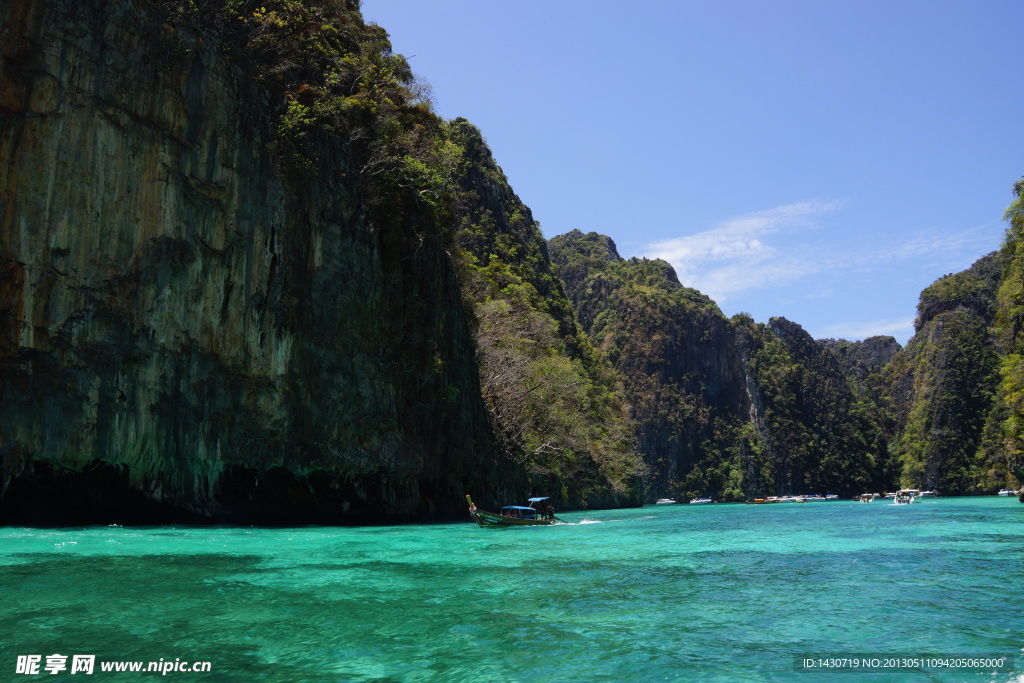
(926, 494)
(700, 501)
(666, 501)
(865, 497)
(831, 496)
(1007, 492)
(794, 499)
(905, 496)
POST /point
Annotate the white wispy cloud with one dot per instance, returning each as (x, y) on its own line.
(737, 254)
(901, 328)
(823, 294)
(931, 243)
(763, 250)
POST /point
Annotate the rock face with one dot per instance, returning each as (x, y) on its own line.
(187, 333)
(861, 359)
(673, 348)
(554, 406)
(817, 431)
(1006, 428)
(730, 409)
(736, 409)
(943, 387)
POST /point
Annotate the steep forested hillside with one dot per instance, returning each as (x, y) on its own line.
(736, 408)
(822, 436)
(733, 408)
(672, 346)
(728, 408)
(863, 361)
(942, 386)
(1006, 428)
(554, 405)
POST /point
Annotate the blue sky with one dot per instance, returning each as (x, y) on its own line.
(819, 160)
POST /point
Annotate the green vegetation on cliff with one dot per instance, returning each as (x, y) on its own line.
(941, 386)
(237, 302)
(821, 437)
(554, 405)
(956, 391)
(938, 400)
(727, 408)
(328, 73)
(661, 338)
(1009, 325)
(294, 294)
(736, 409)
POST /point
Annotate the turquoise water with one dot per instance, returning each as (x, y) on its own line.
(714, 592)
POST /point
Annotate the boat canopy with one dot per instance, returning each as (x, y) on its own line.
(534, 500)
(517, 507)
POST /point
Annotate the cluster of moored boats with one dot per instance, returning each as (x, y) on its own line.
(537, 513)
(693, 501)
(901, 497)
(814, 498)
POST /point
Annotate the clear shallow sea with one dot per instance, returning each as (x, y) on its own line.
(713, 592)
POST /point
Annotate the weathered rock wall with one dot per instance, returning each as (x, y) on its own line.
(943, 387)
(730, 409)
(187, 333)
(673, 349)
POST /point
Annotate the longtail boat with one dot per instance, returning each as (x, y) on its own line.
(512, 515)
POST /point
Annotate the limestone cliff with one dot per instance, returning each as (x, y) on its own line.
(730, 409)
(943, 387)
(735, 409)
(188, 332)
(555, 406)
(863, 359)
